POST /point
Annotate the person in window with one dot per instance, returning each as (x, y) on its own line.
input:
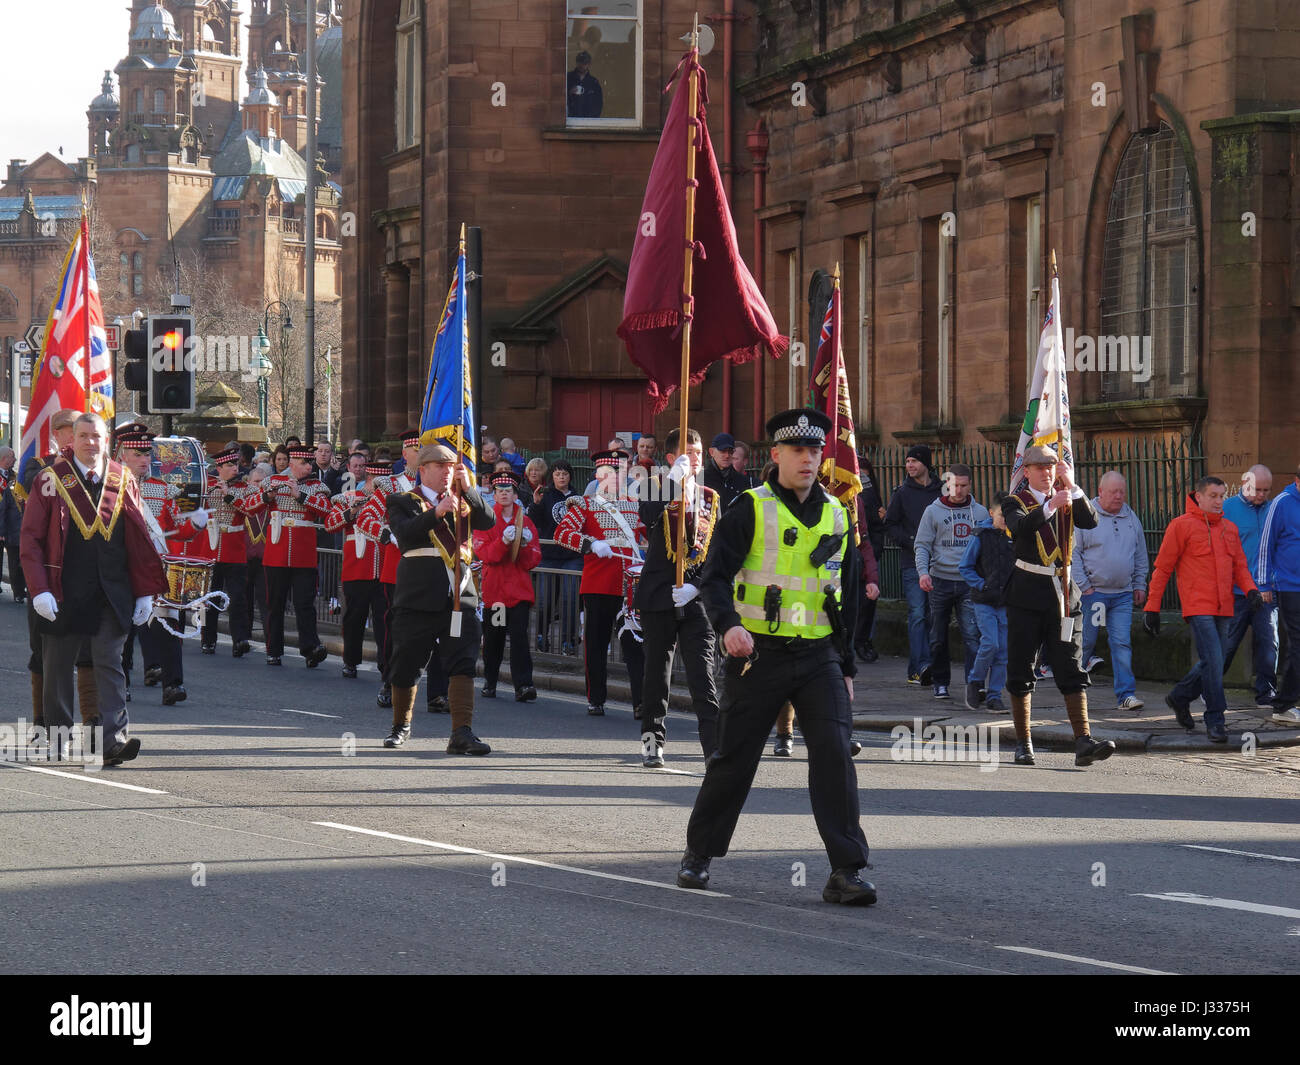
(586, 98)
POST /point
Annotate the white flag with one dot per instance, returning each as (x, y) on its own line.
(1047, 421)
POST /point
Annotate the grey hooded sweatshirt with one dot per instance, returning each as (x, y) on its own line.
(943, 535)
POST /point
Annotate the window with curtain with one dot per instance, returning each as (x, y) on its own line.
(1150, 266)
(603, 76)
(409, 104)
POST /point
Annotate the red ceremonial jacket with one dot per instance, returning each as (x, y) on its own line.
(45, 530)
(290, 522)
(505, 581)
(587, 521)
(373, 522)
(225, 538)
(362, 558)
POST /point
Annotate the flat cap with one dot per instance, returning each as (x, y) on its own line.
(1038, 455)
(435, 453)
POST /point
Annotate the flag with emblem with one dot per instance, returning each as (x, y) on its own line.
(75, 369)
(448, 413)
(1047, 421)
(840, 472)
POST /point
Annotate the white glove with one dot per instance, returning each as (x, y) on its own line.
(143, 608)
(199, 518)
(528, 535)
(46, 605)
(684, 594)
(601, 549)
(509, 535)
(681, 468)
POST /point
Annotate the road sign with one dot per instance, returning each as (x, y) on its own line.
(35, 335)
(114, 335)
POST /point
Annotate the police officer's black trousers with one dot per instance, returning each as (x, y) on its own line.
(808, 674)
(693, 637)
(364, 598)
(280, 581)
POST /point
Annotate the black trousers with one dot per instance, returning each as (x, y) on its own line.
(692, 635)
(810, 676)
(255, 593)
(158, 647)
(17, 582)
(601, 610)
(417, 634)
(280, 581)
(1028, 632)
(364, 599)
(231, 578)
(514, 624)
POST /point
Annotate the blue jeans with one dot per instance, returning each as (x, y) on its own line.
(1263, 627)
(918, 628)
(946, 597)
(991, 658)
(1114, 610)
(1206, 677)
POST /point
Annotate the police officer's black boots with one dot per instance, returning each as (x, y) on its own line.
(694, 872)
(1020, 718)
(1086, 749)
(847, 888)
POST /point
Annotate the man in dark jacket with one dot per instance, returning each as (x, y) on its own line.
(11, 520)
(901, 522)
(545, 515)
(718, 472)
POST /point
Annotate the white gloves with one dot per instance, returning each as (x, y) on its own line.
(199, 518)
(684, 594)
(46, 605)
(143, 608)
(509, 535)
(601, 549)
(528, 535)
(680, 468)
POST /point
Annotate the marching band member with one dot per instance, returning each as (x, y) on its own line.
(606, 529)
(363, 560)
(372, 522)
(225, 542)
(294, 501)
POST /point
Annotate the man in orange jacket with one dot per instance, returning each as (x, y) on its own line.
(1204, 549)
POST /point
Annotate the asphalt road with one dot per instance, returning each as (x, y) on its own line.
(264, 829)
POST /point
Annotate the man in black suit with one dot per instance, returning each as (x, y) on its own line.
(432, 525)
(1043, 601)
(675, 617)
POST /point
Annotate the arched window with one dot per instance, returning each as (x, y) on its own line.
(159, 102)
(8, 305)
(409, 102)
(1150, 268)
(139, 101)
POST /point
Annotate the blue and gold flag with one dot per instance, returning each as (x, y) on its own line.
(448, 413)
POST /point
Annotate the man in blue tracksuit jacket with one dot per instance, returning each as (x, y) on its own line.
(1247, 511)
(1278, 565)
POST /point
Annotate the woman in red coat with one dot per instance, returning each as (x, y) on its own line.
(508, 551)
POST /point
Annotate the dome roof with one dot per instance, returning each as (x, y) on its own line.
(155, 24)
(107, 98)
(260, 94)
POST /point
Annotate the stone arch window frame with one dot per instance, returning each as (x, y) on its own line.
(1117, 139)
(8, 304)
(160, 102)
(408, 108)
(132, 260)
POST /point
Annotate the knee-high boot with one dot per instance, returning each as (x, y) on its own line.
(87, 695)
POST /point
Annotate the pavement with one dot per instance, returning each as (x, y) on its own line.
(883, 701)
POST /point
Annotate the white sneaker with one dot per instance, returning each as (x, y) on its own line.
(652, 752)
(1131, 702)
(1094, 660)
(1290, 716)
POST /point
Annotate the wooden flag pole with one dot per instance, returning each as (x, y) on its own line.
(692, 141)
(85, 302)
(1065, 518)
(453, 487)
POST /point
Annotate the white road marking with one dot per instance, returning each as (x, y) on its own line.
(309, 713)
(87, 779)
(516, 858)
(1088, 961)
(1244, 854)
(1223, 904)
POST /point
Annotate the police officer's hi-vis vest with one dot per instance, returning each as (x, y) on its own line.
(773, 561)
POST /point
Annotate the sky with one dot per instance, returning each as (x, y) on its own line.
(53, 54)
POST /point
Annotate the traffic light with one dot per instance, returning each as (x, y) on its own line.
(171, 364)
(135, 343)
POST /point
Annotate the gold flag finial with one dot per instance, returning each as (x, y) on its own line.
(1053, 262)
(836, 275)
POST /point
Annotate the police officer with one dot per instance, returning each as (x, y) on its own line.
(1043, 601)
(772, 588)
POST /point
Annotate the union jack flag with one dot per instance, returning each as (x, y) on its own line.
(75, 369)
